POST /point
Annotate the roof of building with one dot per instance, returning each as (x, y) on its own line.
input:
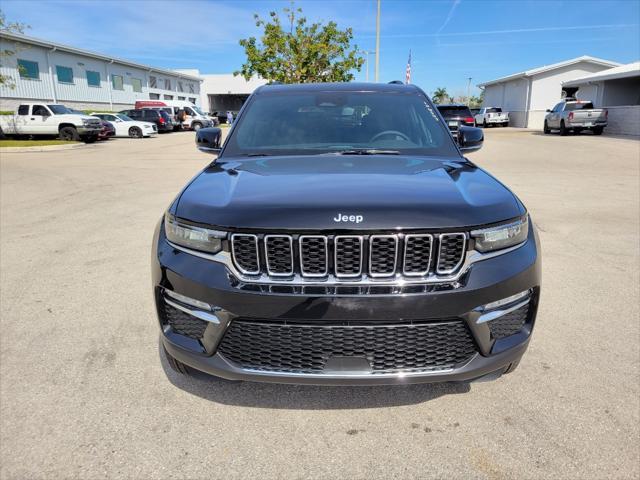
(554, 66)
(623, 71)
(66, 48)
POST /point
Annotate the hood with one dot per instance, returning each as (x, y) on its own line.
(346, 192)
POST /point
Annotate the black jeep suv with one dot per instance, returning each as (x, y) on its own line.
(341, 237)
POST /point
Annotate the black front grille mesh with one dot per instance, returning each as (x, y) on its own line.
(294, 348)
(348, 256)
(509, 324)
(181, 322)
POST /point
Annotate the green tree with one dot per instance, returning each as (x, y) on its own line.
(11, 27)
(440, 95)
(306, 53)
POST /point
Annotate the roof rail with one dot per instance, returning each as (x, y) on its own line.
(396, 82)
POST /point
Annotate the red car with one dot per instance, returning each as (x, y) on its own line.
(108, 130)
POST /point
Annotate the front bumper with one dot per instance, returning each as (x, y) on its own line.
(485, 282)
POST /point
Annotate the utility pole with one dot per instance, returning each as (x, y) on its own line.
(469, 92)
(378, 43)
(366, 62)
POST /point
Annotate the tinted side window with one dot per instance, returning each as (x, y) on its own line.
(40, 111)
(23, 110)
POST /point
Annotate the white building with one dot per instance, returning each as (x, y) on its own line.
(527, 95)
(52, 72)
(616, 89)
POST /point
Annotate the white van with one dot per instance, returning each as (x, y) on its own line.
(195, 118)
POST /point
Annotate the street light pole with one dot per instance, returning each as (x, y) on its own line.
(469, 92)
(366, 61)
(378, 42)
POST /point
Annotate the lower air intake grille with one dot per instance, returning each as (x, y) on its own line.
(306, 349)
(182, 323)
(509, 324)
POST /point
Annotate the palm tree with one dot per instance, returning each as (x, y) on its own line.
(440, 95)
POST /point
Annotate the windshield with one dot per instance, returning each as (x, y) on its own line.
(62, 110)
(291, 123)
(197, 110)
(121, 116)
(454, 111)
(494, 110)
(578, 106)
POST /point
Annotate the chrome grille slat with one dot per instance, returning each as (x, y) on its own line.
(354, 258)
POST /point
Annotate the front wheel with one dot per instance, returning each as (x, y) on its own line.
(546, 129)
(135, 132)
(196, 126)
(484, 124)
(597, 130)
(69, 134)
(90, 139)
(176, 365)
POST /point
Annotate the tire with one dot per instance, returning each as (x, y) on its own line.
(69, 134)
(505, 124)
(597, 130)
(564, 131)
(484, 124)
(90, 139)
(196, 126)
(176, 365)
(546, 129)
(135, 132)
(512, 366)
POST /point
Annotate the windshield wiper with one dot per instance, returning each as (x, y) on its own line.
(367, 151)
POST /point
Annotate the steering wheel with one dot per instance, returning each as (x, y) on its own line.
(390, 132)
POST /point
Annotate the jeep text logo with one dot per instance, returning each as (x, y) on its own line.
(348, 218)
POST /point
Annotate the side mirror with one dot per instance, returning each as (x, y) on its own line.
(548, 110)
(470, 139)
(208, 140)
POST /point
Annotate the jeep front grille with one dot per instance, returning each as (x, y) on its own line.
(348, 257)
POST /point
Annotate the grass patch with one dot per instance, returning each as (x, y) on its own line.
(7, 112)
(33, 143)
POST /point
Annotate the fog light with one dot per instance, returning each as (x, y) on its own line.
(502, 307)
(188, 301)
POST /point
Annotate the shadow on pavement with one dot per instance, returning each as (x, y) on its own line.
(307, 397)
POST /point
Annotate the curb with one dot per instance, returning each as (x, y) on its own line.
(43, 148)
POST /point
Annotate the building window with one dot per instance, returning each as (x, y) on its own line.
(153, 82)
(154, 96)
(93, 78)
(180, 86)
(136, 83)
(64, 74)
(191, 88)
(192, 100)
(28, 69)
(167, 84)
(117, 82)
(181, 98)
(168, 97)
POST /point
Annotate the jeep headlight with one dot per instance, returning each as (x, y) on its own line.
(190, 236)
(502, 236)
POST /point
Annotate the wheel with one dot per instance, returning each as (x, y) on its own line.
(69, 134)
(176, 365)
(505, 124)
(564, 131)
(546, 130)
(484, 124)
(90, 139)
(512, 366)
(135, 132)
(597, 130)
(196, 126)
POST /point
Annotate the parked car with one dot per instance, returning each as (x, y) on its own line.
(374, 253)
(160, 118)
(40, 119)
(194, 118)
(488, 116)
(107, 130)
(456, 116)
(128, 127)
(575, 115)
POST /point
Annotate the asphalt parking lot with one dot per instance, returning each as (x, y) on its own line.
(84, 394)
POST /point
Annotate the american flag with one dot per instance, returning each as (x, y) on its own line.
(407, 77)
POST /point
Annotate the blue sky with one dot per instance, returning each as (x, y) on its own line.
(450, 40)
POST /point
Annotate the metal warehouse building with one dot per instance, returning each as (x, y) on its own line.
(527, 95)
(48, 71)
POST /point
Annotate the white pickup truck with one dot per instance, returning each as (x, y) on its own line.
(36, 119)
(491, 116)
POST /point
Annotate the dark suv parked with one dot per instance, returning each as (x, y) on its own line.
(161, 118)
(456, 116)
(341, 237)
